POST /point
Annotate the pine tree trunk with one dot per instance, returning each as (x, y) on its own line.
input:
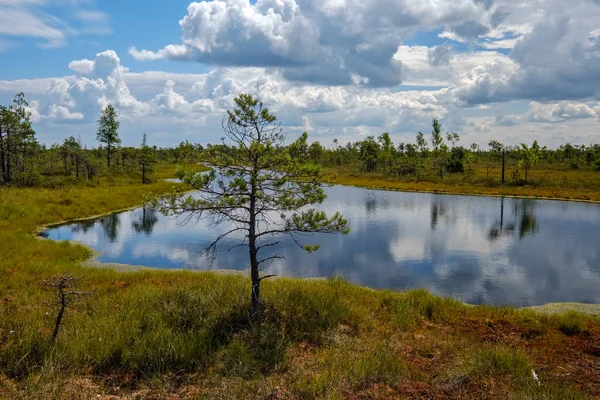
(254, 273)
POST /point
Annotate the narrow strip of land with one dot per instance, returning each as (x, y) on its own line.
(580, 193)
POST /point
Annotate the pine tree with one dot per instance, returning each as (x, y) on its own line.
(18, 145)
(108, 130)
(145, 160)
(258, 190)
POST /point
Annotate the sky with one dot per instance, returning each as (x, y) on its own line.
(514, 71)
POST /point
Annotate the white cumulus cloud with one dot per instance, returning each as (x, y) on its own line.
(556, 57)
(327, 42)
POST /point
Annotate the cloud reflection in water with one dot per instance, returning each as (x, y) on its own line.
(475, 249)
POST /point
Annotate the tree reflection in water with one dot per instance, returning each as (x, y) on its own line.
(84, 226)
(145, 222)
(524, 217)
(526, 214)
(110, 226)
(438, 209)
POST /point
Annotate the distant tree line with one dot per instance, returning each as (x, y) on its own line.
(26, 162)
(431, 157)
(434, 156)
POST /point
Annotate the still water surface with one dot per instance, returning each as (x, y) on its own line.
(475, 249)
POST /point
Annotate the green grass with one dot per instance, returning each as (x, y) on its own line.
(356, 365)
(572, 323)
(152, 333)
(491, 361)
(492, 366)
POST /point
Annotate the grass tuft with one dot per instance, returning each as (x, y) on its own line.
(261, 350)
(356, 366)
(307, 311)
(490, 362)
(571, 323)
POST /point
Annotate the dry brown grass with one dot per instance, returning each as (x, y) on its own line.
(159, 334)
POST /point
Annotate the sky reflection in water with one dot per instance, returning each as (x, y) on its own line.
(475, 249)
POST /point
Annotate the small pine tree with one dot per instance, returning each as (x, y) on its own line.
(145, 160)
(108, 130)
(440, 149)
(259, 179)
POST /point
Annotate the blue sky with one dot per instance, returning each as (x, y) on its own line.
(129, 22)
(502, 69)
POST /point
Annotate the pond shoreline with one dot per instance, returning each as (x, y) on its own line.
(92, 262)
(42, 228)
(592, 309)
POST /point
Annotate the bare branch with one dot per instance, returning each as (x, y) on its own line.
(272, 258)
(268, 245)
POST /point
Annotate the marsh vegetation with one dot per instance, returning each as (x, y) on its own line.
(153, 334)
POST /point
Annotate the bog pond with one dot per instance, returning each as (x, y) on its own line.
(479, 250)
